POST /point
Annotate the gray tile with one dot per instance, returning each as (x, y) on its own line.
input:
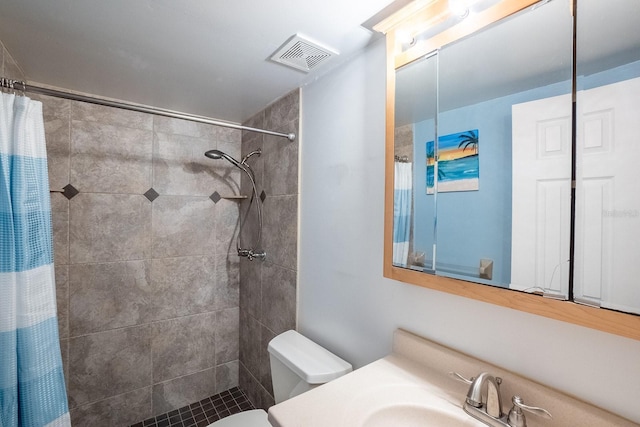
(280, 234)
(226, 376)
(62, 299)
(110, 159)
(251, 287)
(248, 384)
(182, 127)
(227, 226)
(227, 280)
(109, 227)
(278, 298)
(403, 140)
(113, 116)
(252, 141)
(256, 121)
(109, 363)
(182, 286)
(280, 114)
(281, 155)
(54, 108)
(57, 135)
(281, 169)
(64, 352)
(170, 395)
(250, 337)
(109, 296)
(251, 227)
(227, 335)
(183, 226)
(122, 410)
(151, 194)
(60, 223)
(265, 362)
(183, 346)
(11, 68)
(265, 400)
(254, 391)
(229, 142)
(181, 168)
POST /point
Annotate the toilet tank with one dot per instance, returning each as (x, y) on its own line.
(299, 364)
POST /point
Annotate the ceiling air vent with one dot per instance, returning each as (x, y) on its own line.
(302, 54)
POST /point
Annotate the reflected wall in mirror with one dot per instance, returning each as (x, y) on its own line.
(480, 85)
(416, 103)
(607, 151)
(546, 122)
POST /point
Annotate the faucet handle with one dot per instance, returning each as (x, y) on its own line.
(516, 417)
(459, 377)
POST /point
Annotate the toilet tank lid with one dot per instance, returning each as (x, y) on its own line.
(313, 363)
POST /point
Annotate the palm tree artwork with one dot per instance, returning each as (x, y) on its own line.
(431, 157)
(469, 139)
(457, 162)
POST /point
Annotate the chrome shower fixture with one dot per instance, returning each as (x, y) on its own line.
(254, 250)
(217, 155)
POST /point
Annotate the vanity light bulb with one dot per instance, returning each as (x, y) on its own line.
(459, 8)
(405, 38)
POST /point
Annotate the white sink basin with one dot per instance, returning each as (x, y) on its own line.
(416, 416)
(405, 404)
(389, 392)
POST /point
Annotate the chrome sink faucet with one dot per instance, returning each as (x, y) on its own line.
(493, 406)
(489, 411)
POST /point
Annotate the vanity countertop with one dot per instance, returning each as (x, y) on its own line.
(416, 375)
(351, 399)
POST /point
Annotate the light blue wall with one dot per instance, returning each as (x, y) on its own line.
(474, 224)
(614, 75)
(477, 224)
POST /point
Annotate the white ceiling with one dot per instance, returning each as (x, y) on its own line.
(206, 57)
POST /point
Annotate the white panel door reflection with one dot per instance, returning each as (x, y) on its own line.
(541, 196)
(607, 263)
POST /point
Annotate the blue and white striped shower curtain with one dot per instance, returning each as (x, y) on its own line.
(403, 187)
(32, 388)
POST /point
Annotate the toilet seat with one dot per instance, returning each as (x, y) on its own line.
(253, 418)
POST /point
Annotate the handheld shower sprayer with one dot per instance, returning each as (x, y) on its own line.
(217, 155)
(254, 251)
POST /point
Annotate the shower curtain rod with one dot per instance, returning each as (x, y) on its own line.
(24, 87)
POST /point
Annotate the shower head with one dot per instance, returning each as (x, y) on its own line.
(213, 154)
(217, 154)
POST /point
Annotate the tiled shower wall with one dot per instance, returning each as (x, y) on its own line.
(403, 141)
(8, 67)
(148, 293)
(148, 290)
(146, 275)
(268, 289)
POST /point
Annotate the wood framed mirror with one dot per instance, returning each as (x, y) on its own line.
(413, 35)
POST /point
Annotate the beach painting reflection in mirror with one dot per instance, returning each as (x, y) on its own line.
(458, 162)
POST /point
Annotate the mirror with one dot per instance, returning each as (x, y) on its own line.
(474, 90)
(607, 234)
(483, 116)
(414, 221)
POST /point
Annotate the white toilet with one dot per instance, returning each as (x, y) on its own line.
(297, 365)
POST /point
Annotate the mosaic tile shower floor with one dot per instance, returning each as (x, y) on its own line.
(203, 413)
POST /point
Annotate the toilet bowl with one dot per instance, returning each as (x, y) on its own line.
(297, 365)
